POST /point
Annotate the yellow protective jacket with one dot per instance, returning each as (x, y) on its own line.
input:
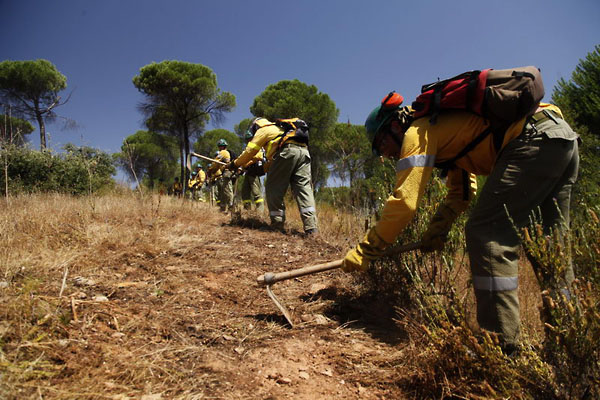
(200, 178)
(423, 146)
(255, 158)
(216, 169)
(267, 137)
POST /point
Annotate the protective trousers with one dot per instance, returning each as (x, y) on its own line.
(225, 191)
(252, 192)
(291, 166)
(534, 173)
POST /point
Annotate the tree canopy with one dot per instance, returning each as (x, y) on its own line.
(241, 127)
(579, 100)
(32, 87)
(149, 157)
(182, 97)
(351, 149)
(580, 96)
(207, 144)
(292, 98)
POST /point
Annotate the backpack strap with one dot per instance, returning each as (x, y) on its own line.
(448, 164)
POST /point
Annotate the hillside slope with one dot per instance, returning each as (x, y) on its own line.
(118, 298)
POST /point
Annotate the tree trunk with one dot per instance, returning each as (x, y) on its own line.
(186, 151)
(182, 163)
(40, 120)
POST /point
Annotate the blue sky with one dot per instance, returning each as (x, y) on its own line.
(354, 51)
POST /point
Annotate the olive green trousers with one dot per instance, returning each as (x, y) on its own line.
(291, 167)
(252, 192)
(533, 174)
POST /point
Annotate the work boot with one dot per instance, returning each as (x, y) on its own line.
(278, 226)
(311, 232)
(510, 350)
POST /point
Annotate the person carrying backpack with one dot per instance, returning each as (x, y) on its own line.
(533, 168)
(288, 163)
(222, 177)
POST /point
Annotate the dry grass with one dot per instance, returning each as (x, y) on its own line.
(126, 297)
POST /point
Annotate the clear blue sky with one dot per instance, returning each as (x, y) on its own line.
(355, 51)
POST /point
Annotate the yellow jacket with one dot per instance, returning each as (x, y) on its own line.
(255, 158)
(423, 146)
(216, 169)
(198, 180)
(200, 177)
(267, 137)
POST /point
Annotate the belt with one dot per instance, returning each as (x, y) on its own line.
(294, 144)
(543, 116)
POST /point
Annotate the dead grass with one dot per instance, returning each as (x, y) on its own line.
(122, 297)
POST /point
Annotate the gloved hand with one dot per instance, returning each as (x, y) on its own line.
(231, 166)
(436, 234)
(370, 249)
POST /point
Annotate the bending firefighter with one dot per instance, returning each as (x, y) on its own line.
(222, 177)
(534, 169)
(251, 186)
(196, 182)
(288, 163)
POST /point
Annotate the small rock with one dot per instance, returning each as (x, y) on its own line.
(3, 285)
(304, 375)
(320, 319)
(239, 350)
(285, 381)
(118, 335)
(81, 281)
(100, 298)
(317, 287)
(228, 337)
(327, 372)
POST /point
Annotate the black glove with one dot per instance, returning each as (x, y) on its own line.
(231, 165)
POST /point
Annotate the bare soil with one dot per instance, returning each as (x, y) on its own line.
(168, 307)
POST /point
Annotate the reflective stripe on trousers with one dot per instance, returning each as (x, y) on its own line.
(495, 283)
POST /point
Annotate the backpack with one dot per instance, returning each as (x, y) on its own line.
(293, 128)
(502, 96)
(232, 155)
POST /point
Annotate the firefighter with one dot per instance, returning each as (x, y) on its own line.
(288, 163)
(252, 186)
(222, 177)
(177, 188)
(535, 170)
(200, 179)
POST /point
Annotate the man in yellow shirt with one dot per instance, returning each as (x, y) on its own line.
(535, 168)
(222, 177)
(288, 163)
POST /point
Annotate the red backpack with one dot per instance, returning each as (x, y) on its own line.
(502, 96)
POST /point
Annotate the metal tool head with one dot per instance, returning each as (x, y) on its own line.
(283, 310)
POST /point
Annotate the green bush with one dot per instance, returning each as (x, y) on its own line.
(78, 170)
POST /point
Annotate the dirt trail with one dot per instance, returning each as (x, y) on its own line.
(186, 319)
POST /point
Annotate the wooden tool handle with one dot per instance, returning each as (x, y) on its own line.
(270, 277)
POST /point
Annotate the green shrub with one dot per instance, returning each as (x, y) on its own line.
(75, 171)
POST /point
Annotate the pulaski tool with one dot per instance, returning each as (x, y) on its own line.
(270, 278)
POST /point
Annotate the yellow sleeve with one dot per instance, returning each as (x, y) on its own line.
(224, 156)
(257, 157)
(261, 138)
(413, 171)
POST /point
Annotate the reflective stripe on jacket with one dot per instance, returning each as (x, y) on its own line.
(423, 146)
